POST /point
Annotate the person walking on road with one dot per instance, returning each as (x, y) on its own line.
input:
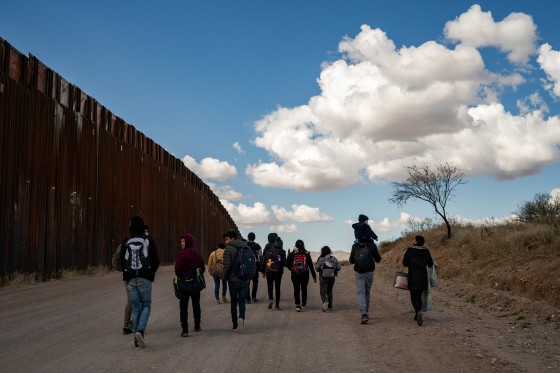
(140, 262)
(328, 267)
(417, 258)
(364, 255)
(274, 260)
(237, 288)
(257, 251)
(299, 262)
(188, 264)
(216, 269)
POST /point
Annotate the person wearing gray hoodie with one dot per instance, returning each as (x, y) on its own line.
(238, 288)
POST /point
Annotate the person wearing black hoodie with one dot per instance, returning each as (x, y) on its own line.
(299, 262)
(362, 230)
(274, 260)
(136, 248)
(417, 258)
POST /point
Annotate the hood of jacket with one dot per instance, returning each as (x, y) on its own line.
(272, 237)
(358, 225)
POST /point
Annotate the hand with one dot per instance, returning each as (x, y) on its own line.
(315, 279)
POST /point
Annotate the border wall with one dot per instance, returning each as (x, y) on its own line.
(72, 174)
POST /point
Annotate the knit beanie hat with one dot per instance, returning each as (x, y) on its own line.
(136, 225)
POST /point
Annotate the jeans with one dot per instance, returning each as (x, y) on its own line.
(184, 309)
(300, 281)
(326, 289)
(127, 309)
(140, 291)
(217, 281)
(238, 295)
(364, 282)
(274, 279)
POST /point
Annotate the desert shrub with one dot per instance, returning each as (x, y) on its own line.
(541, 209)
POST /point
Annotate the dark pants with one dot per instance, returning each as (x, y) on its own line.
(238, 295)
(184, 307)
(253, 293)
(274, 279)
(326, 289)
(416, 299)
(300, 281)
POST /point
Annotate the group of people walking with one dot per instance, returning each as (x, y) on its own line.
(139, 261)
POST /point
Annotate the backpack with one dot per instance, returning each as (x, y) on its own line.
(273, 262)
(328, 269)
(245, 265)
(362, 259)
(116, 259)
(217, 268)
(136, 258)
(300, 264)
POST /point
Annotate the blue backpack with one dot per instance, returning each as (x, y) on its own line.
(245, 264)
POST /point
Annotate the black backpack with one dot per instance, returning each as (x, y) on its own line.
(273, 262)
(245, 264)
(362, 259)
(136, 259)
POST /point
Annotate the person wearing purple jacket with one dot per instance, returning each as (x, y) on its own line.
(186, 264)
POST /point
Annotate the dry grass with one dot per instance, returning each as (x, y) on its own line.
(523, 259)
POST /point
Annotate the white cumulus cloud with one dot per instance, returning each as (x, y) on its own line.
(210, 168)
(259, 215)
(549, 61)
(515, 35)
(238, 148)
(382, 108)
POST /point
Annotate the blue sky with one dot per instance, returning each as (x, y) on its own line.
(300, 114)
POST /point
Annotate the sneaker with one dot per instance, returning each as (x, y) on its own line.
(365, 318)
(218, 301)
(325, 306)
(270, 303)
(139, 336)
(184, 334)
(197, 329)
(419, 319)
(303, 306)
(240, 324)
(298, 308)
(277, 307)
(330, 309)
(136, 344)
(126, 331)
(254, 299)
(224, 300)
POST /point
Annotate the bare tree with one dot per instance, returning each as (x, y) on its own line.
(435, 187)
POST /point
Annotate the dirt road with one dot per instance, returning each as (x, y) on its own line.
(75, 326)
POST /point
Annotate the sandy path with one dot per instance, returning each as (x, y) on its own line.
(71, 326)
